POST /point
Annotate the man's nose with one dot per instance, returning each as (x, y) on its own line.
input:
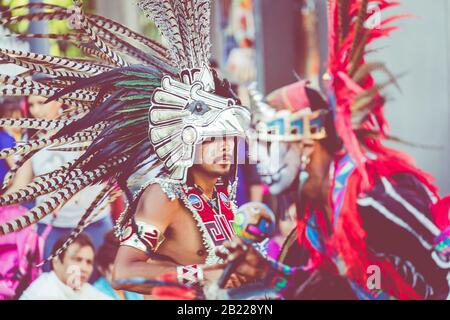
(227, 144)
(85, 267)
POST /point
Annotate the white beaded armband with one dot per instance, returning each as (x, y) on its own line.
(142, 236)
(190, 275)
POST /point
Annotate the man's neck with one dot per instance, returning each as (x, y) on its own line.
(204, 181)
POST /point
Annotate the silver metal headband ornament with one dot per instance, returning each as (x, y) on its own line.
(185, 113)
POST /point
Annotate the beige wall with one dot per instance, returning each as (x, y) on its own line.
(420, 51)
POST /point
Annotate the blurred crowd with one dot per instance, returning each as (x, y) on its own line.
(88, 258)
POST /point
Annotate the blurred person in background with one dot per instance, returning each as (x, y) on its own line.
(285, 224)
(70, 273)
(105, 262)
(19, 252)
(39, 109)
(67, 217)
(11, 108)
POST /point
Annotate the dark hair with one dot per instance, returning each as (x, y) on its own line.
(83, 240)
(8, 105)
(108, 251)
(224, 88)
(332, 142)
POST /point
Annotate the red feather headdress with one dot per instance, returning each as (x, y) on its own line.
(356, 98)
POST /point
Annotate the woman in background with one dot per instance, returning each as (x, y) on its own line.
(64, 220)
(19, 252)
(11, 108)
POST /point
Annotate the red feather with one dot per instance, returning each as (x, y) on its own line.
(339, 66)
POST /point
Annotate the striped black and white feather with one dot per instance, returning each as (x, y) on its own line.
(185, 24)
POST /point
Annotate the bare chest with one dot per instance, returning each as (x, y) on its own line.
(184, 242)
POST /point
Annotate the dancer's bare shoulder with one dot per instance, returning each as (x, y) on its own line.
(155, 206)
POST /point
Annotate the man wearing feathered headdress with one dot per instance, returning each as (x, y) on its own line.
(156, 112)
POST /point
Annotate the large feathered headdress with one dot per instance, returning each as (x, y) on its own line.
(131, 104)
(184, 112)
(354, 96)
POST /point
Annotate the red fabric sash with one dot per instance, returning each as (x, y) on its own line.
(217, 224)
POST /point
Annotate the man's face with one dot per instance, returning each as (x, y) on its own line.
(278, 164)
(317, 186)
(216, 156)
(41, 110)
(76, 267)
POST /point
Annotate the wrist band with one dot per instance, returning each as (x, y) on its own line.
(191, 275)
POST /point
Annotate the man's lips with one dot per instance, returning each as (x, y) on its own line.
(225, 159)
